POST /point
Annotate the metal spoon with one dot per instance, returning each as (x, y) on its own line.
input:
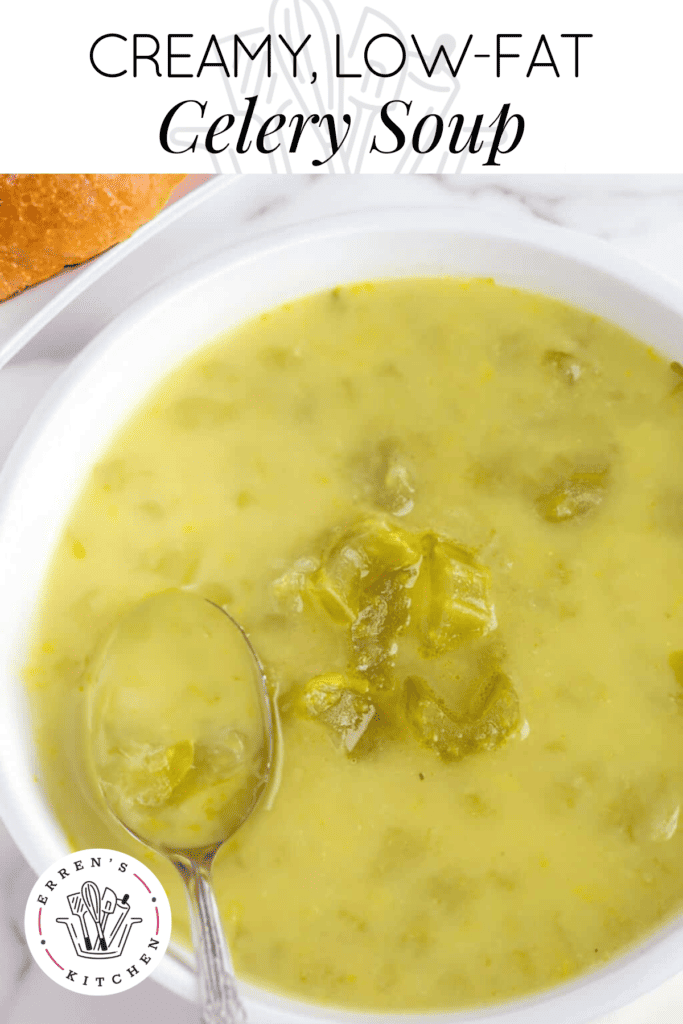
(165, 658)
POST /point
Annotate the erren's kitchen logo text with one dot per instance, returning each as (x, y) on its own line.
(98, 922)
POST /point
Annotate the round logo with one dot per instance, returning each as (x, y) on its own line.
(98, 922)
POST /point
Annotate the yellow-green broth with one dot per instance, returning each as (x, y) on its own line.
(390, 876)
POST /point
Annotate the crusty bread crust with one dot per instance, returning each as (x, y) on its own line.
(52, 221)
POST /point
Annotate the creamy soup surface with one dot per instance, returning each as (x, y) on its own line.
(450, 516)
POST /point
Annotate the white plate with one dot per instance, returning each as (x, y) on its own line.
(98, 392)
(24, 315)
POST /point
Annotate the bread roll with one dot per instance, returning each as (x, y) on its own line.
(52, 221)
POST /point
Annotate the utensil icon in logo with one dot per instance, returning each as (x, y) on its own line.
(108, 906)
(104, 920)
(91, 897)
(79, 909)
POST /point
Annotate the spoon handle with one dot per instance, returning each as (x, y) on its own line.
(217, 989)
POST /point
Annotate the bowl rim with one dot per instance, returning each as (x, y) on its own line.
(582, 998)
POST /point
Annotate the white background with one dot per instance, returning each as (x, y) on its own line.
(622, 113)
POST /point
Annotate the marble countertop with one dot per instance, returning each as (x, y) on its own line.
(640, 215)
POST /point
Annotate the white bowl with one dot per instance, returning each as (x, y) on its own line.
(70, 428)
